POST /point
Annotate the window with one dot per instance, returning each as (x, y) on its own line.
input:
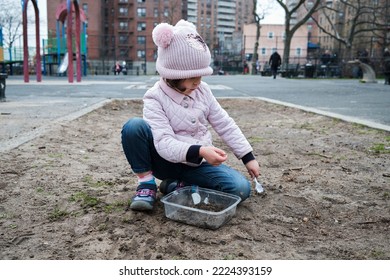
(274, 50)
(85, 8)
(141, 12)
(141, 54)
(263, 51)
(155, 13)
(123, 39)
(141, 26)
(123, 11)
(299, 51)
(141, 40)
(123, 25)
(270, 35)
(123, 1)
(123, 52)
(140, 1)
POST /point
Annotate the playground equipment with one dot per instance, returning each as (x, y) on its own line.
(368, 73)
(64, 64)
(25, 42)
(64, 13)
(1, 45)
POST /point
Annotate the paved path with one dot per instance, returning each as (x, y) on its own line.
(33, 108)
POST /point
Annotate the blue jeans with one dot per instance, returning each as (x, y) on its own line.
(138, 146)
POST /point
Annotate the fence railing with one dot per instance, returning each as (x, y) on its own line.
(337, 67)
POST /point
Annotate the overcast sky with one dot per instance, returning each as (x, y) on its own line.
(275, 15)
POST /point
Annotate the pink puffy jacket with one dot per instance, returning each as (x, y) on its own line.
(179, 121)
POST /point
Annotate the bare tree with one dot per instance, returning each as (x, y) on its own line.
(358, 18)
(11, 22)
(259, 12)
(310, 6)
(257, 18)
(172, 12)
(382, 33)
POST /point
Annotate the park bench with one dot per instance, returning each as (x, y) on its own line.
(292, 70)
(266, 71)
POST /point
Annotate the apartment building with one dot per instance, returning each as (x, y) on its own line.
(331, 19)
(312, 28)
(120, 30)
(272, 39)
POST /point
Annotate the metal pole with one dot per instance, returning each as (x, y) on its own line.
(58, 44)
(38, 43)
(25, 44)
(69, 41)
(145, 58)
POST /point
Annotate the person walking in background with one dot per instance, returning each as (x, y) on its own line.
(172, 141)
(117, 68)
(386, 66)
(275, 61)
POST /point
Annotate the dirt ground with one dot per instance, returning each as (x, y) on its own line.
(65, 194)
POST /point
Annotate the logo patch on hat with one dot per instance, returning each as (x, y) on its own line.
(196, 42)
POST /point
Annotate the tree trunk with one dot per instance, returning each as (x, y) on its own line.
(286, 51)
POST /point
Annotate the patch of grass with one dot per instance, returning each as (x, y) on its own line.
(95, 184)
(380, 148)
(178, 258)
(56, 155)
(115, 207)
(377, 255)
(57, 214)
(102, 227)
(342, 158)
(336, 121)
(383, 148)
(4, 216)
(364, 130)
(255, 139)
(40, 190)
(229, 257)
(85, 199)
(306, 126)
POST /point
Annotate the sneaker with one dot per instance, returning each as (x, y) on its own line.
(169, 185)
(143, 200)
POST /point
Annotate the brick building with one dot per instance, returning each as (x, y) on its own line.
(120, 30)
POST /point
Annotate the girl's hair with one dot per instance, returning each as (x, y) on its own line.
(174, 83)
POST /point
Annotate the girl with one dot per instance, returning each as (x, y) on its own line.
(172, 141)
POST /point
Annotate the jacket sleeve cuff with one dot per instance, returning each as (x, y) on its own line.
(248, 157)
(193, 154)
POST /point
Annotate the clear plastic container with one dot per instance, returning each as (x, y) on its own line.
(215, 209)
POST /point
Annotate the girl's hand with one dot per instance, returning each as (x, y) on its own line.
(253, 168)
(213, 155)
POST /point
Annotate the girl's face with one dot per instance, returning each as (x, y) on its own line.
(187, 86)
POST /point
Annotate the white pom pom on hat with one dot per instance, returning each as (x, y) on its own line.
(182, 53)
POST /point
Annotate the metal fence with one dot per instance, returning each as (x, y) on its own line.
(299, 66)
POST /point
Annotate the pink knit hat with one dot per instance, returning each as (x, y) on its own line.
(182, 53)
